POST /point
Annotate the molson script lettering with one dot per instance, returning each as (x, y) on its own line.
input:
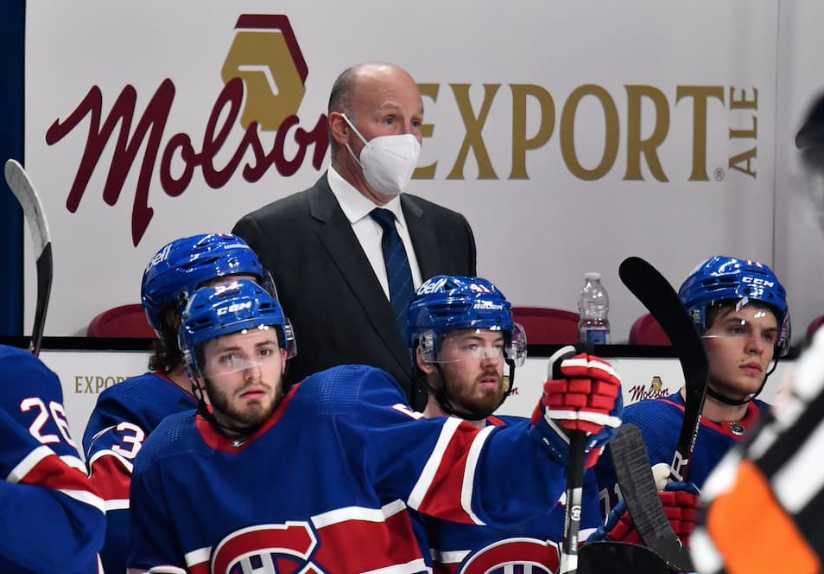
(264, 78)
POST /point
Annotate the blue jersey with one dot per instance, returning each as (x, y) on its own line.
(534, 545)
(123, 417)
(324, 485)
(51, 519)
(660, 423)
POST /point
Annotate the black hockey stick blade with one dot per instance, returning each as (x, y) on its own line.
(619, 558)
(661, 300)
(632, 468)
(26, 195)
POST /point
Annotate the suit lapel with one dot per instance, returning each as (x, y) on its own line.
(340, 241)
(427, 251)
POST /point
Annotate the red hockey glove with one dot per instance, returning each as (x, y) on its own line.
(680, 500)
(588, 398)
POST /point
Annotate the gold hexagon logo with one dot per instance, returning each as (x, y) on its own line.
(265, 54)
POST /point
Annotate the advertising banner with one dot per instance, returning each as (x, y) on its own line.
(571, 135)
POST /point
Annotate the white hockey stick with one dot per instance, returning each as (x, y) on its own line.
(26, 195)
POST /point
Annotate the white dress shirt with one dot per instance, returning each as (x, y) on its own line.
(357, 207)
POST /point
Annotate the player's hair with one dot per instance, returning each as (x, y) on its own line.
(166, 355)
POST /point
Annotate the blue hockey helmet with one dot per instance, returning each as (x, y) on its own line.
(720, 279)
(213, 312)
(183, 265)
(448, 303)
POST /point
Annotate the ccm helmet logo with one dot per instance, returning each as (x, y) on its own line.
(234, 308)
(758, 281)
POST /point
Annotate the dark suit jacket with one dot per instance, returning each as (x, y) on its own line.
(328, 289)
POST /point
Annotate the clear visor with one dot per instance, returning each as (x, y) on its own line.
(738, 328)
(223, 362)
(467, 348)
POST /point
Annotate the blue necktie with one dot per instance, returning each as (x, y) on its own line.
(397, 265)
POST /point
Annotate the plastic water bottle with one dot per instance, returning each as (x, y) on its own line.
(593, 308)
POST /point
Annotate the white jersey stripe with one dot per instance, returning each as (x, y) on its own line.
(449, 557)
(198, 556)
(85, 497)
(409, 568)
(431, 468)
(122, 504)
(469, 473)
(358, 513)
(25, 466)
(74, 462)
(101, 453)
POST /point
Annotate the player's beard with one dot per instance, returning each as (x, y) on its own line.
(237, 420)
(475, 400)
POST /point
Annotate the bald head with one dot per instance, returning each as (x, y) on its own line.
(361, 77)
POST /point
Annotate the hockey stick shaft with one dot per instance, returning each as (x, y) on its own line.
(575, 471)
(574, 498)
(661, 300)
(32, 207)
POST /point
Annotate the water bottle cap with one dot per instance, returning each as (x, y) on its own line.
(592, 276)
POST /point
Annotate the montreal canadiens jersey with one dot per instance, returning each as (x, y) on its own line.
(51, 519)
(660, 423)
(532, 546)
(324, 485)
(122, 418)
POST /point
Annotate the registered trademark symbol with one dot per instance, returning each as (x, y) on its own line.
(719, 174)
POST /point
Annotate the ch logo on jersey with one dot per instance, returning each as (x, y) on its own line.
(267, 549)
(526, 555)
(265, 54)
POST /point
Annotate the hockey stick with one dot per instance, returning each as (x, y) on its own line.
(628, 450)
(574, 498)
(661, 300)
(26, 195)
(632, 469)
(575, 472)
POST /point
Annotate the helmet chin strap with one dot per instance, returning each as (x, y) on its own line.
(444, 401)
(739, 402)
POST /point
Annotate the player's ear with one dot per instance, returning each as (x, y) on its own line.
(284, 355)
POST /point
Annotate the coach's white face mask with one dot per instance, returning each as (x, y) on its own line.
(387, 161)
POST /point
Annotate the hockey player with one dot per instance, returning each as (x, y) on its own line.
(126, 413)
(462, 335)
(51, 519)
(772, 484)
(740, 308)
(319, 480)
